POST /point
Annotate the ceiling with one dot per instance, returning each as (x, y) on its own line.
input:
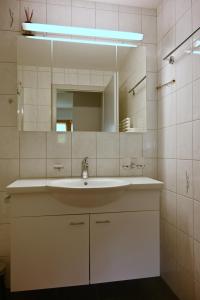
(137, 3)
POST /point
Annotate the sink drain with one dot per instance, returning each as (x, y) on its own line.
(85, 183)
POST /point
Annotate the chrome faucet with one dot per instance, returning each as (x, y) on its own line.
(84, 171)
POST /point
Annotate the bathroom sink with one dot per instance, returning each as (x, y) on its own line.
(90, 183)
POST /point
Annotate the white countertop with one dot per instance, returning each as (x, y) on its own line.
(43, 185)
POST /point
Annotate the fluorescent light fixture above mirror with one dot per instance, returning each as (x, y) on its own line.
(85, 32)
(79, 41)
(196, 52)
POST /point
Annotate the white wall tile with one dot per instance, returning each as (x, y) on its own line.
(184, 141)
(167, 142)
(151, 59)
(176, 20)
(30, 78)
(8, 108)
(83, 3)
(170, 239)
(32, 145)
(151, 87)
(8, 46)
(167, 173)
(44, 97)
(107, 167)
(196, 140)
(196, 66)
(106, 6)
(83, 144)
(197, 220)
(58, 76)
(149, 12)
(5, 239)
(56, 15)
(150, 144)
(130, 145)
(30, 96)
(196, 290)
(130, 22)
(181, 7)
(130, 9)
(169, 206)
(185, 283)
(184, 71)
(107, 145)
(106, 19)
(151, 114)
(33, 168)
(8, 73)
(58, 145)
(4, 208)
(151, 168)
(30, 115)
(184, 104)
(44, 80)
(58, 2)
(196, 179)
(197, 261)
(84, 17)
(183, 27)
(185, 214)
(196, 97)
(185, 251)
(9, 142)
(167, 111)
(9, 171)
(195, 14)
(149, 29)
(167, 16)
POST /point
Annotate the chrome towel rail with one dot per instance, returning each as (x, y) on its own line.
(169, 55)
(139, 82)
(173, 81)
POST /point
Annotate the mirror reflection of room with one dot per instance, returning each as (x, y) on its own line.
(78, 111)
(67, 87)
(132, 91)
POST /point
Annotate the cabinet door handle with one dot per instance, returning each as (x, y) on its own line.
(76, 223)
(103, 222)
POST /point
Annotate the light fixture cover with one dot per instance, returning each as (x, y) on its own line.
(79, 41)
(85, 32)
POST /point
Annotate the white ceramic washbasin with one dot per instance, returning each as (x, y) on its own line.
(90, 183)
(77, 184)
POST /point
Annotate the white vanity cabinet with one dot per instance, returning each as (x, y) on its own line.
(49, 251)
(124, 246)
(62, 238)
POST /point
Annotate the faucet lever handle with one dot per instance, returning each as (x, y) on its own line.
(85, 161)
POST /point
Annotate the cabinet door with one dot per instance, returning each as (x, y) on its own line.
(124, 246)
(48, 252)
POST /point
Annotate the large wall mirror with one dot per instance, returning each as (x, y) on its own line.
(65, 86)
